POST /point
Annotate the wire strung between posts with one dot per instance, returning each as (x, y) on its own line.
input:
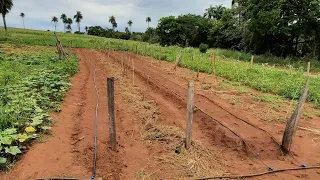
(258, 174)
(219, 122)
(234, 115)
(95, 123)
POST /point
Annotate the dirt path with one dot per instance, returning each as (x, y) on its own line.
(162, 96)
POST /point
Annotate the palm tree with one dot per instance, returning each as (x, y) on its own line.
(5, 7)
(69, 27)
(214, 12)
(113, 22)
(86, 28)
(22, 15)
(55, 21)
(69, 22)
(130, 24)
(78, 18)
(148, 20)
(64, 18)
(219, 11)
(126, 29)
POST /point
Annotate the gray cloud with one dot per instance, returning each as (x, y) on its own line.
(97, 12)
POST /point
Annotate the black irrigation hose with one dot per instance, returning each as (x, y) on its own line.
(60, 179)
(258, 174)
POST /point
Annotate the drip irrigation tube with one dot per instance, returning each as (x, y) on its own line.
(258, 174)
(60, 179)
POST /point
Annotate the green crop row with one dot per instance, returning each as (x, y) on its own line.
(232, 65)
(30, 87)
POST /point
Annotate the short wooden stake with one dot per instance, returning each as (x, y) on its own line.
(112, 125)
(60, 53)
(189, 113)
(292, 123)
(177, 62)
(122, 64)
(251, 63)
(198, 64)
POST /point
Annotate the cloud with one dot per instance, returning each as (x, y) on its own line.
(96, 12)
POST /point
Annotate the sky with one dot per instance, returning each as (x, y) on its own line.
(39, 13)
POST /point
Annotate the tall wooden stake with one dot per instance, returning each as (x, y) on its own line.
(112, 125)
(109, 50)
(132, 71)
(292, 123)
(251, 63)
(189, 113)
(213, 64)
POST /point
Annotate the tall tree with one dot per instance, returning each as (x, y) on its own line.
(22, 15)
(5, 7)
(69, 27)
(64, 18)
(214, 12)
(78, 17)
(113, 22)
(86, 28)
(148, 20)
(126, 30)
(130, 24)
(69, 23)
(55, 21)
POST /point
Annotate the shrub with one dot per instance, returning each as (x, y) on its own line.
(203, 48)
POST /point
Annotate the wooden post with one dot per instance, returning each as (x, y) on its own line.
(122, 64)
(145, 49)
(292, 123)
(308, 69)
(132, 71)
(251, 63)
(189, 113)
(112, 125)
(177, 62)
(213, 64)
(59, 51)
(109, 50)
(198, 64)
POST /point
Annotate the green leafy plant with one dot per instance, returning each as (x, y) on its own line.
(30, 86)
(203, 48)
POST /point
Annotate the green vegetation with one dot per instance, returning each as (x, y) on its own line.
(33, 82)
(203, 48)
(287, 83)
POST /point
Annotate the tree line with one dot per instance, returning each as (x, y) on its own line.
(287, 28)
(279, 27)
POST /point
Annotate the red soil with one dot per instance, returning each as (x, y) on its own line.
(62, 155)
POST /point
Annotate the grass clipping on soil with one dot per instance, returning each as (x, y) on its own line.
(175, 160)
